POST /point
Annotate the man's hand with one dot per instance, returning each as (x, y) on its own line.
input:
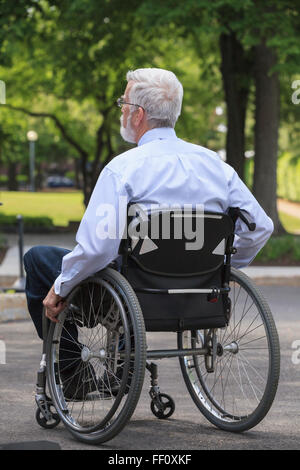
(53, 304)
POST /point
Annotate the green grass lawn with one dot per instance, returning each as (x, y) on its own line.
(60, 207)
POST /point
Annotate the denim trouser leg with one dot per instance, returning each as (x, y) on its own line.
(43, 265)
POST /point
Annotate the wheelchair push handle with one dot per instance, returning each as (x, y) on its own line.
(236, 212)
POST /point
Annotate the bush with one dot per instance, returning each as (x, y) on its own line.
(71, 175)
(288, 177)
(249, 170)
(3, 242)
(34, 222)
(287, 246)
(20, 179)
(3, 181)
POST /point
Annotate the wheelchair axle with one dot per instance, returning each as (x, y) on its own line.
(232, 347)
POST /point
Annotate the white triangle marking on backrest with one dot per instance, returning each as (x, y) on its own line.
(147, 246)
(220, 249)
(134, 241)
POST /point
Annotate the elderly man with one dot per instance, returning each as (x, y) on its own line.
(161, 169)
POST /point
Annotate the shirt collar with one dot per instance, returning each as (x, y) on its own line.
(157, 133)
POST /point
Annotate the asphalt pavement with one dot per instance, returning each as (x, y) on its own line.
(187, 429)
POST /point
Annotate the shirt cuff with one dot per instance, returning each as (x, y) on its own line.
(57, 285)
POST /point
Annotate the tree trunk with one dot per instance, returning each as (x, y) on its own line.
(39, 177)
(12, 177)
(85, 178)
(266, 132)
(235, 69)
(77, 173)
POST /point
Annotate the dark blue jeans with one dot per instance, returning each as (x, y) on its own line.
(43, 265)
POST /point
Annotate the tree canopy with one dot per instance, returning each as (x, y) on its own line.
(64, 64)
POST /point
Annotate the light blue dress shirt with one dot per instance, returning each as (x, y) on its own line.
(161, 169)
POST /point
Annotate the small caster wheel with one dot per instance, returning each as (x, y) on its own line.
(52, 423)
(162, 406)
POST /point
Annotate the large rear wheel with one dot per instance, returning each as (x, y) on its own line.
(240, 390)
(96, 357)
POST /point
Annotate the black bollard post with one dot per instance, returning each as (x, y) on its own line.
(21, 244)
(21, 250)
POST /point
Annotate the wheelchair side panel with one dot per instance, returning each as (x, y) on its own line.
(178, 312)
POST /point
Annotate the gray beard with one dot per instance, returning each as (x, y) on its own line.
(127, 132)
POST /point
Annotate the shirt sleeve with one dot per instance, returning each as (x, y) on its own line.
(247, 243)
(99, 234)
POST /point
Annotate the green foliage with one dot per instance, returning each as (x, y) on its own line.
(288, 177)
(249, 171)
(29, 222)
(280, 247)
(69, 59)
(80, 85)
(70, 174)
(276, 20)
(16, 22)
(3, 242)
(20, 179)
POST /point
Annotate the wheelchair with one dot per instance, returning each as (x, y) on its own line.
(227, 343)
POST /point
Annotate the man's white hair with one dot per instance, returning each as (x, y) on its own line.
(159, 92)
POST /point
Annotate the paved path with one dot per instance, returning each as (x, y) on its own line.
(187, 428)
(11, 263)
(288, 207)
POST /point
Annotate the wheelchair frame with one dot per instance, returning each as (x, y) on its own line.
(210, 349)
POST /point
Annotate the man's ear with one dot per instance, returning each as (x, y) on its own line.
(138, 117)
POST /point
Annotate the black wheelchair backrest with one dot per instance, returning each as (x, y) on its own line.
(177, 241)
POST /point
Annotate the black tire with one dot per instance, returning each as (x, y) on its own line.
(164, 408)
(111, 333)
(50, 424)
(238, 402)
